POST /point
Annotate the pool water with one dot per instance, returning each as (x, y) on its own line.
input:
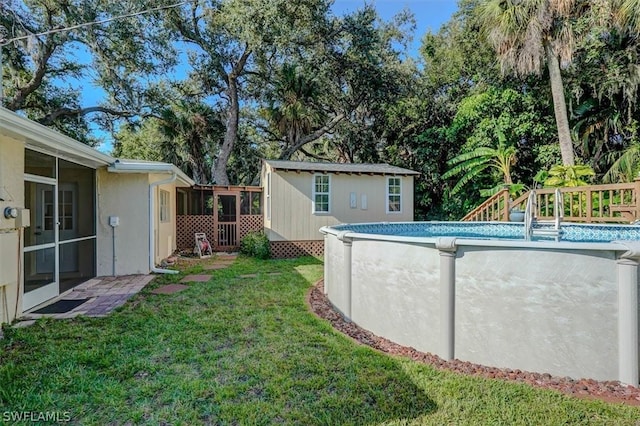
(570, 232)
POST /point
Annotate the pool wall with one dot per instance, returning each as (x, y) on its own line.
(568, 309)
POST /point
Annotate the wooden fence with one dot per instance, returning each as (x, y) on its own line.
(614, 203)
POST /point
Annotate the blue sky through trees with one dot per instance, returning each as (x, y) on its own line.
(429, 16)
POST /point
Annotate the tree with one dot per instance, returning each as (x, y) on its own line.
(142, 142)
(232, 40)
(194, 131)
(529, 33)
(473, 163)
(186, 134)
(292, 109)
(330, 89)
(42, 70)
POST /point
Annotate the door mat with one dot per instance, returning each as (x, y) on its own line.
(60, 307)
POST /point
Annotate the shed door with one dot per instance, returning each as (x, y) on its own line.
(227, 219)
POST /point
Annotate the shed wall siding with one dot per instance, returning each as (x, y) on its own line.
(291, 198)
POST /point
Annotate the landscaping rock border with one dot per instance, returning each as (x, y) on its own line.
(609, 391)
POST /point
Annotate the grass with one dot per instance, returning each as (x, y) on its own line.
(247, 351)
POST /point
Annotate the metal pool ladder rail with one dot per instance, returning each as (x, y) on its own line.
(530, 220)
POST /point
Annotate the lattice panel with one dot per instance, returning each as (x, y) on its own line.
(287, 249)
(250, 223)
(187, 226)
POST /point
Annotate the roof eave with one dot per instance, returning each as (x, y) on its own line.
(37, 136)
(124, 166)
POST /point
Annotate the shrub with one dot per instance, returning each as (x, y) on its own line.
(256, 244)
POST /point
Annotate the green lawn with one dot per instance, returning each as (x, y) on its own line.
(247, 351)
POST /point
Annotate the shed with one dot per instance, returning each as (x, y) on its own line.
(301, 197)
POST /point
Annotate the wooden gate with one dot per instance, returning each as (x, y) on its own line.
(226, 220)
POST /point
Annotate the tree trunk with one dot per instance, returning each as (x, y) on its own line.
(559, 107)
(219, 171)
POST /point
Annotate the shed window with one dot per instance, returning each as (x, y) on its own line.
(394, 195)
(164, 206)
(321, 190)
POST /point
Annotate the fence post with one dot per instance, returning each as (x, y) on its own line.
(636, 197)
(505, 203)
(589, 206)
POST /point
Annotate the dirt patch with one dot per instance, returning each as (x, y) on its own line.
(610, 391)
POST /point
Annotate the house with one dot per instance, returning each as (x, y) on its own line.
(302, 197)
(69, 213)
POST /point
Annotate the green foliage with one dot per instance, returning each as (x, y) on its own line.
(140, 143)
(256, 244)
(515, 190)
(473, 163)
(560, 176)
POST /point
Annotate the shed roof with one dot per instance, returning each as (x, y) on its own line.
(353, 168)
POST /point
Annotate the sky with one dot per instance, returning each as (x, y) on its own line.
(429, 16)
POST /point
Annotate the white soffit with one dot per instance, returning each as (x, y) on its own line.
(43, 139)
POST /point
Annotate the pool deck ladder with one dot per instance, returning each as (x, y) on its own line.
(531, 223)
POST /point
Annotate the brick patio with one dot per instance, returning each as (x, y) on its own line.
(104, 293)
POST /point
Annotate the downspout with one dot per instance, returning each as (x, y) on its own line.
(152, 263)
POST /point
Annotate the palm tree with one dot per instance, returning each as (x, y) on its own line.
(625, 168)
(193, 132)
(292, 110)
(628, 12)
(472, 164)
(529, 33)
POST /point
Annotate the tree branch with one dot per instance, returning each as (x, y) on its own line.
(312, 155)
(48, 119)
(287, 153)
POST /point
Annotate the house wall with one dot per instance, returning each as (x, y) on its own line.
(291, 195)
(124, 195)
(12, 192)
(165, 232)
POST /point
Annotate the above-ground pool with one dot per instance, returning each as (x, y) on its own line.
(563, 304)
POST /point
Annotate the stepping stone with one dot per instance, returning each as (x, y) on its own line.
(196, 279)
(249, 276)
(216, 266)
(169, 289)
(274, 273)
(227, 257)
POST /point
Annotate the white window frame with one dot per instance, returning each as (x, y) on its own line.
(389, 195)
(165, 204)
(315, 193)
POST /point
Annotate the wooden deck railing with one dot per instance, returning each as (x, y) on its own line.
(494, 208)
(614, 203)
